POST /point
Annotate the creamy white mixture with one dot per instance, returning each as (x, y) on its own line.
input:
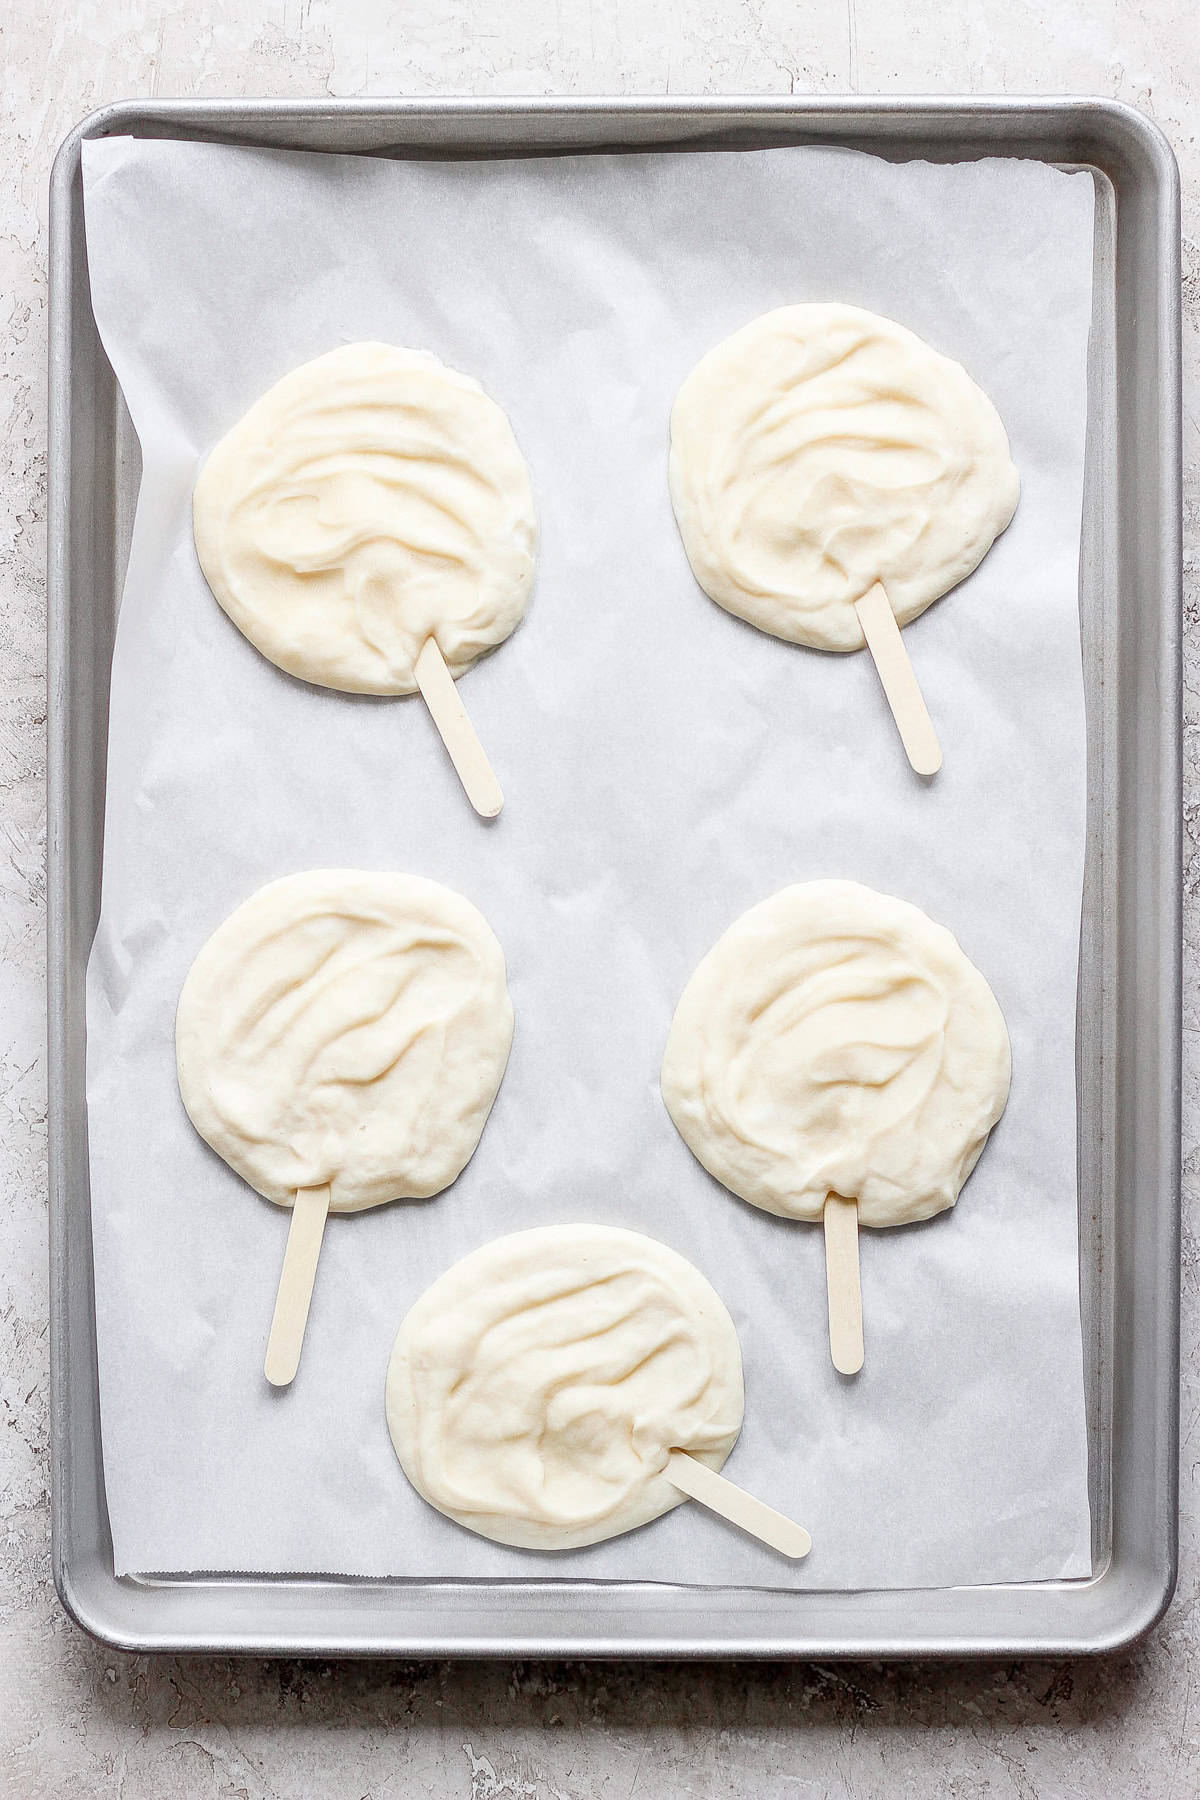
(837, 1041)
(370, 500)
(537, 1388)
(345, 1028)
(823, 448)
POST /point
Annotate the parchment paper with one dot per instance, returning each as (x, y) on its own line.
(665, 766)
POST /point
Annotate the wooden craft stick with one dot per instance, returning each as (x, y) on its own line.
(457, 732)
(701, 1483)
(899, 683)
(309, 1212)
(842, 1283)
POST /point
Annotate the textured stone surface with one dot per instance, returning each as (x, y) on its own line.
(77, 1720)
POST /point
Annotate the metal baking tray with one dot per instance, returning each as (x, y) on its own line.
(1129, 1014)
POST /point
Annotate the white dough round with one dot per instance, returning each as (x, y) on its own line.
(536, 1389)
(837, 1041)
(345, 1028)
(371, 499)
(822, 448)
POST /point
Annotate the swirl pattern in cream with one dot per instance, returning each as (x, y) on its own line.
(536, 1389)
(837, 1041)
(821, 449)
(345, 1028)
(371, 499)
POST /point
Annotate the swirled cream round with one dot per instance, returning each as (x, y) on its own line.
(536, 1389)
(346, 1028)
(837, 1041)
(821, 449)
(370, 500)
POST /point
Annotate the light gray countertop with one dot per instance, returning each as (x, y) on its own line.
(78, 1720)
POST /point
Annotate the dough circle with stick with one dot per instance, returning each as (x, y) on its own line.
(822, 449)
(837, 1041)
(537, 1388)
(371, 499)
(349, 1029)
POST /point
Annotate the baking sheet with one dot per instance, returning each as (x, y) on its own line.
(650, 800)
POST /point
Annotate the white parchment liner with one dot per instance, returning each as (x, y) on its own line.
(665, 766)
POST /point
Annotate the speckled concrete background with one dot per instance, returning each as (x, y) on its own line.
(76, 1720)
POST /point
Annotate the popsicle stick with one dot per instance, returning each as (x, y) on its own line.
(898, 680)
(841, 1281)
(309, 1213)
(457, 732)
(701, 1483)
